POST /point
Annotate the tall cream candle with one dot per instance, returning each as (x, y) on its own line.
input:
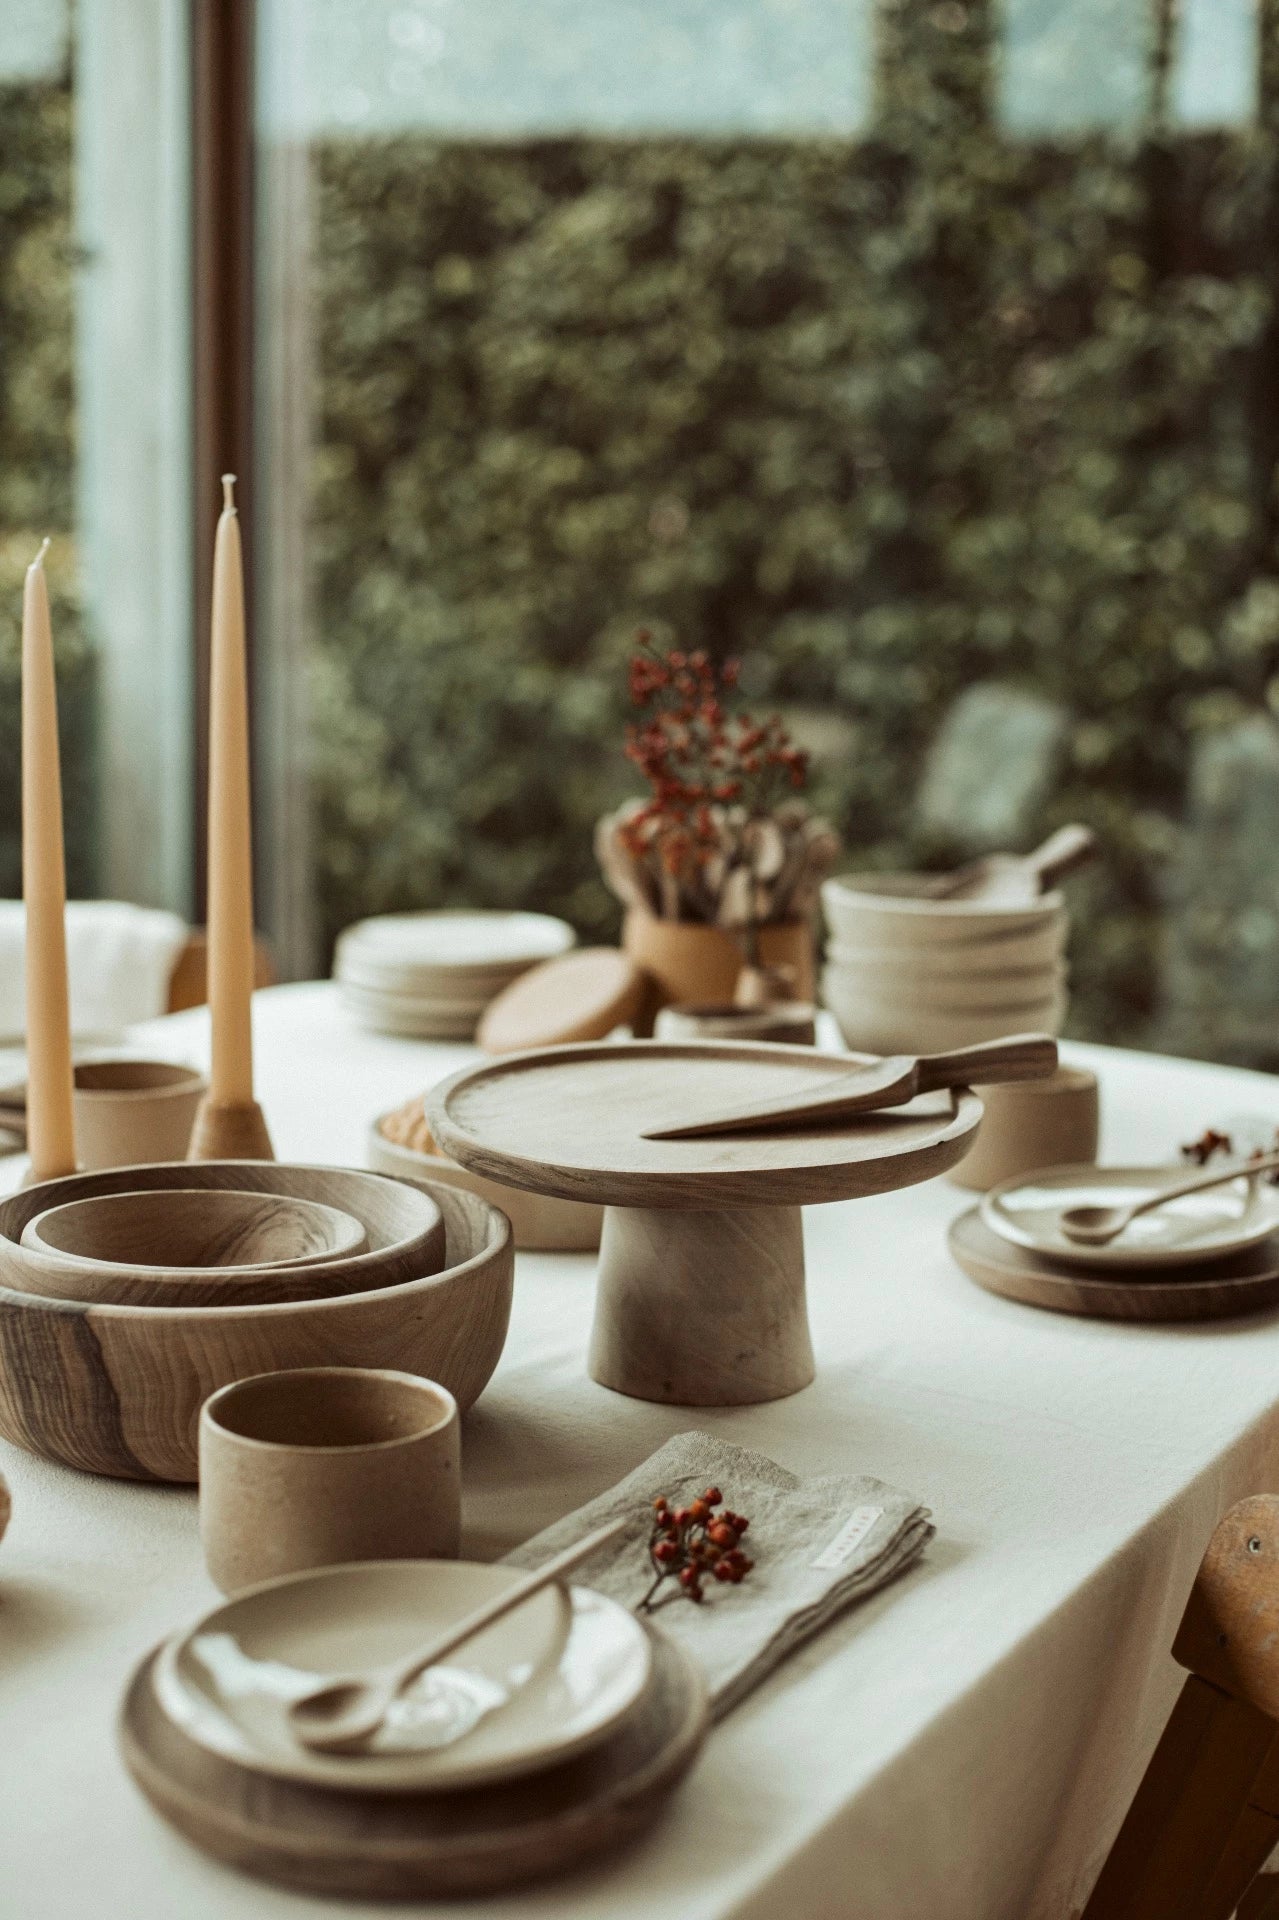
(230, 909)
(50, 1127)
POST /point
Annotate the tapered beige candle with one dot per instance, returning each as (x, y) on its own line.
(230, 832)
(50, 1128)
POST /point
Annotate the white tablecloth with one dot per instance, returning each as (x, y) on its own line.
(961, 1748)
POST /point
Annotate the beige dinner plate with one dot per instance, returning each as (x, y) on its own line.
(1027, 1209)
(545, 1682)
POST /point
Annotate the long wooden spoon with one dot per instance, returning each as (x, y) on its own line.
(348, 1710)
(888, 1083)
(1018, 876)
(1098, 1226)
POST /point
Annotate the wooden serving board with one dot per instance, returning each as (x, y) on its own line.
(1245, 1282)
(569, 1121)
(422, 1845)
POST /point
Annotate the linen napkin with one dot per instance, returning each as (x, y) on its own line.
(119, 959)
(818, 1545)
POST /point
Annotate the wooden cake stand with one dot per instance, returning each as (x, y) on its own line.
(701, 1278)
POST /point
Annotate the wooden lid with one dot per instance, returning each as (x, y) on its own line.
(579, 996)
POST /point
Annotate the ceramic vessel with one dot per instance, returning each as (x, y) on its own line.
(791, 1023)
(1032, 1123)
(118, 1389)
(690, 963)
(132, 1113)
(892, 908)
(912, 1026)
(321, 1465)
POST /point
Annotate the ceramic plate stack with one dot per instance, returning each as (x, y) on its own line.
(908, 974)
(429, 976)
(1199, 1257)
(128, 1296)
(557, 1732)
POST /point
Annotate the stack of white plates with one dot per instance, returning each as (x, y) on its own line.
(908, 974)
(431, 975)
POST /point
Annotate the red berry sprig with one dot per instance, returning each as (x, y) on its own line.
(692, 1544)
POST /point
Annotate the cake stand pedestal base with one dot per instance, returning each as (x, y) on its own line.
(702, 1309)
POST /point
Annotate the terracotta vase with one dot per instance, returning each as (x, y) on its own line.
(686, 961)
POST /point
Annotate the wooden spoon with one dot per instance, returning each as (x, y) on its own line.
(888, 1083)
(1098, 1226)
(348, 1710)
(1015, 876)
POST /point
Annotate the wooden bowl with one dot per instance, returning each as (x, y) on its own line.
(118, 1389)
(404, 1229)
(540, 1223)
(214, 1246)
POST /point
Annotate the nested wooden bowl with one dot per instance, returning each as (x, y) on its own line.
(118, 1389)
(196, 1247)
(403, 1227)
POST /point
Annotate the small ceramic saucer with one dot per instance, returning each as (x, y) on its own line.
(541, 1684)
(1027, 1209)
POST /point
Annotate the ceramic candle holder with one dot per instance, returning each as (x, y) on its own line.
(790, 1022)
(324, 1465)
(1032, 1123)
(132, 1113)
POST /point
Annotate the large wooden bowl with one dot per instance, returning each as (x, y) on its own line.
(402, 1224)
(118, 1390)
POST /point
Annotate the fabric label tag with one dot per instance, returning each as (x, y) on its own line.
(848, 1539)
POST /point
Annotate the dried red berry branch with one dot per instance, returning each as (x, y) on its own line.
(691, 1544)
(1211, 1142)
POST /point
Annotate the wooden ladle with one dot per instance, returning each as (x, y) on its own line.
(1017, 876)
(348, 1710)
(1098, 1226)
(885, 1083)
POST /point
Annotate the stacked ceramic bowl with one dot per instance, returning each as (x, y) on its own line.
(430, 976)
(908, 973)
(128, 1296)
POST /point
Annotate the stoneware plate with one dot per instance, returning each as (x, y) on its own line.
(457, 939)
(1202, 1226)
(545, 1682)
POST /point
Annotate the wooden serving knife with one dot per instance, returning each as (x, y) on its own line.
(885, 1083)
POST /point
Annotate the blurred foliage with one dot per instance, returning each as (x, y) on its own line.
(883, 417)
(37, 460)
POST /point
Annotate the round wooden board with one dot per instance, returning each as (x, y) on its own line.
(569, 1121)
(422, 1845)
(1245, 1282)
(581, 995)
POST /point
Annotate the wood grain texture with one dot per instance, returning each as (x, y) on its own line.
(421, 1845)
(569, 1121)
(194, 1227)
(539, 1222)
(118, 1389)
(403, 1226)
(223, 1131)
(702, 1309)
(1246, 1282)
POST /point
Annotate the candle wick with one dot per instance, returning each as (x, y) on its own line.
(39, 559)
(228, 498)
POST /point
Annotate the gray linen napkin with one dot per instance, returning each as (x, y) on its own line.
(817, 1545)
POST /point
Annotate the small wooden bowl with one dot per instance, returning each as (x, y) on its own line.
(118, 1389)
(540, 1222)
(405, 1233)
(218, 1246)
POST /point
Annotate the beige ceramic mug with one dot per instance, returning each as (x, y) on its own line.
(321, 1465)
(133, 1113)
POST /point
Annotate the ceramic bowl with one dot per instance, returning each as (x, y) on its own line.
(118, 1389)
(540, 1222)
(877, 994)
(1043, 946)
(404, 1231)
(903, 1029)
(876, 908)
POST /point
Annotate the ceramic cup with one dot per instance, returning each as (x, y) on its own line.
(133, 1113)
(1032, 1123)
(323, 1465)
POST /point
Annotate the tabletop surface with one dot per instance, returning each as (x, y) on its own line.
(963, 1744)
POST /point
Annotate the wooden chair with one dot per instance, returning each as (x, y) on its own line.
(1206, 1815)
(189, 981)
